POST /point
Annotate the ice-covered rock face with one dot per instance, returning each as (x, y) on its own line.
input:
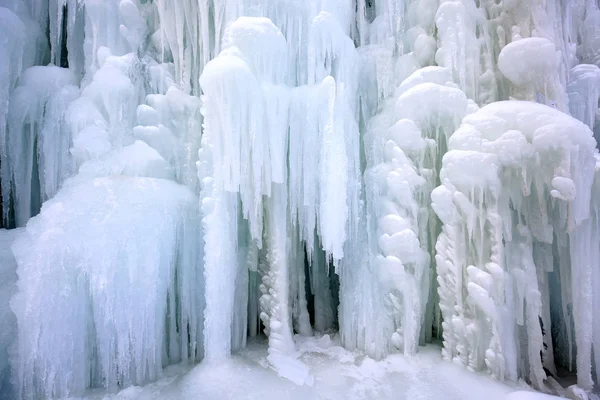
(190, 173)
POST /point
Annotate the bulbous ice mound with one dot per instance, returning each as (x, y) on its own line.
(259, 42)
(524, 136)
(515, 184)
(109, 286)
(430, 104)
(528, 60)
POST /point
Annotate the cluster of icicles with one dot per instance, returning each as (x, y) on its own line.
(194, 172)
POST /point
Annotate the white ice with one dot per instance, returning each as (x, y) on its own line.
(190, 175)
(74, 288)
(8, 287)
(339, 374)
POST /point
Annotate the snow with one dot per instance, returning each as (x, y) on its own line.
(538, 54)
(523, 395)
(338, 374)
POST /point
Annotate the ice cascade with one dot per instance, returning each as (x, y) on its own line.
(184, 174)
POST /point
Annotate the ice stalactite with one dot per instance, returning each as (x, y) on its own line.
(34, 135)
(308, 118)
(406, 139)
(185, 37)
(584, 94)
(466, 48)
(245, 107)
(311, 117)
(25, 46)
(333, 62)
(259, 111)
(500, 251)
(135, 288)
(314, 134)
(73, 332)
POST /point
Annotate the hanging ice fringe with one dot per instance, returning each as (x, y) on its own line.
(188, 173)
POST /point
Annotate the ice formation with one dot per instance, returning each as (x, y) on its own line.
(8, 288)
(188, 173)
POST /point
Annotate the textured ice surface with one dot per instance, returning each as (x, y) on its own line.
(193, 173)
(8, 287)
(503, 162)
(37, 142)
(107, 297)
(339, 374)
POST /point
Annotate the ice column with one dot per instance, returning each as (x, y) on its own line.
(514, 188)
(405, 140)
(245, 109)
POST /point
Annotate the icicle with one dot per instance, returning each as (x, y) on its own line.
(36, 108)
(24, 46)
(319, 131)
(127, 278)
(465, 48)
(584, 93)
(527, 255)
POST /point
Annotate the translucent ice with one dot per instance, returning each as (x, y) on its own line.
(489, 230)
(209, 170)
(8, 287)
(106, 298)
(37, 143)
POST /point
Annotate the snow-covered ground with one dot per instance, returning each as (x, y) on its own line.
(337, 373)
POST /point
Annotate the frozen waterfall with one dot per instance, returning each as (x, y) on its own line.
(186, 174)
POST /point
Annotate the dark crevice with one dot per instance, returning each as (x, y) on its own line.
(334, 287)
(64, 53)
(310, 297)
(1, 202)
